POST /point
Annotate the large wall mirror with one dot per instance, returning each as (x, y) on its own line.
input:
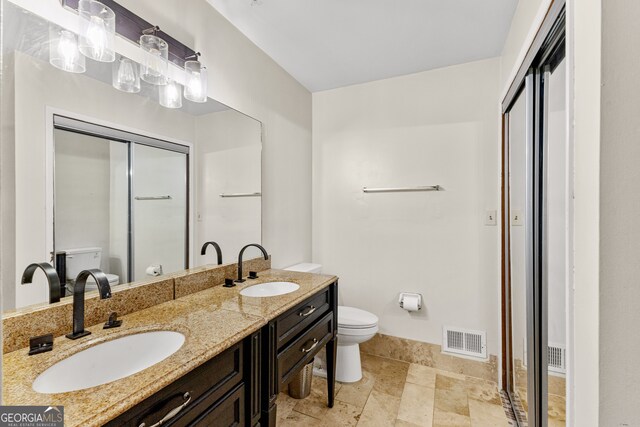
(111, 179)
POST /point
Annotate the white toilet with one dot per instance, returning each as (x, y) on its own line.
(355, 326)
(84, 259)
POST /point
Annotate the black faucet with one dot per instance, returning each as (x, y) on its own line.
(217, 248)
(78, 299)
(264, 252)
(52, 278)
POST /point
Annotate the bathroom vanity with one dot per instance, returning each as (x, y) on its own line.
(292, 340)
(239, 353)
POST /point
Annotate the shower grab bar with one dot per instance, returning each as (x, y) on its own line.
(402, 189)
(153, 197)
(258, 194)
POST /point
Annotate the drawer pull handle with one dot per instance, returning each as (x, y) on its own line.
(172, 413)
(310, 310)
(307, 350)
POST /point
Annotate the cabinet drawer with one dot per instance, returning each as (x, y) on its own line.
(304, 314)
(302, 349)
(229, 411)
(205, 385)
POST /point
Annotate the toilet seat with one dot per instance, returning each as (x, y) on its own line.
(357, 332)
(351, 318)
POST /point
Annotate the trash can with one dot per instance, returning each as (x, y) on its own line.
(300, 385)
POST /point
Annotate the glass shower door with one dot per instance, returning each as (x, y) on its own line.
(159, 211)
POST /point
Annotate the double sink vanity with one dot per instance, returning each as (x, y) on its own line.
(217, 356)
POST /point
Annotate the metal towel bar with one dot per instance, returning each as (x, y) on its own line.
(153, 197)
(241, 195)
(402, 189)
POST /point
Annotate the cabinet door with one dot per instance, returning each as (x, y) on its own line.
(229, 411)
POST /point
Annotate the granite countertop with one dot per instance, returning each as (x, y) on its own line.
(211, 320)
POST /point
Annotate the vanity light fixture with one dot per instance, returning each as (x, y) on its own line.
(195, 88)
(130, 26)
(63, 51)
(154, 66)
(170, 94)
(125, 75)
(97, 31)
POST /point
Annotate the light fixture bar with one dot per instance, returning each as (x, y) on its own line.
(131, 27)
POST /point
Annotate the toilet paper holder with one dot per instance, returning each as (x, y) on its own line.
(402, 296)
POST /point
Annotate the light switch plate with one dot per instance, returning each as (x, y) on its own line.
(490, 218)
(517, 220)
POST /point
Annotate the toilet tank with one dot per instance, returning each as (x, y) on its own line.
(82, 259)
(306, 267)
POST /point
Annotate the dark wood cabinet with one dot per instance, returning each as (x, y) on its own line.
(214, 393)
(292, 340)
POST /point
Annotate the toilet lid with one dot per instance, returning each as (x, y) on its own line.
(351, 317)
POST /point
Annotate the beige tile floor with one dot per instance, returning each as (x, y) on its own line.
(395, 393)
(556, 408)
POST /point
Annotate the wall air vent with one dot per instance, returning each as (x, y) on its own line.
(557, 355)
(464, 341)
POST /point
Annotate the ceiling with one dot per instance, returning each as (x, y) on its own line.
(325, 44)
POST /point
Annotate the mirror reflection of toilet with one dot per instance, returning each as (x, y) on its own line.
(84, 259)
(355, 326)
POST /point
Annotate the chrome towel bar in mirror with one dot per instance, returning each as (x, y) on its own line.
(153, 197)
(258, 194)
(402, 189)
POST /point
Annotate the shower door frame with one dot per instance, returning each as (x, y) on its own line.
(530, 81)
(92, 126)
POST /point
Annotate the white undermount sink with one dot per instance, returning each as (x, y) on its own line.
(108, 361)
(270, 289)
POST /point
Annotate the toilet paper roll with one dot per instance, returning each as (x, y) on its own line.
(411, 302)
(154, 270)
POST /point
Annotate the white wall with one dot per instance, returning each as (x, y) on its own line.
(584, 54)
(228, 156)
(436, 127)
(245, 78)
(619, 213)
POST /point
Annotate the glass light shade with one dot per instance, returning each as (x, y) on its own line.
(97, 31)
(171, 95)
(125, 76)
(63, 51)
(153, 68)
(195, 88)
